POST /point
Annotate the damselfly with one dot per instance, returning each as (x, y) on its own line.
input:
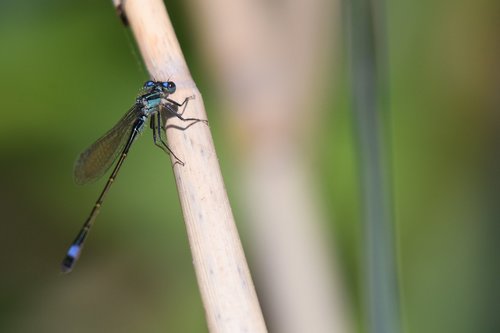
(152, 103)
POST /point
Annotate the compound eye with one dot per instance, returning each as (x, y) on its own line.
(169, 86)
(149, 84)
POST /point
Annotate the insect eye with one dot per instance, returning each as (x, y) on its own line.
(170, 86)
(149, 84)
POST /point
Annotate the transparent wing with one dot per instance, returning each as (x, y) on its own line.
(94, 161)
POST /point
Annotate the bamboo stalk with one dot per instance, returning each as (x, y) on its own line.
(226, 287)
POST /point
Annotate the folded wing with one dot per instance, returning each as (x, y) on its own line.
(97, 159)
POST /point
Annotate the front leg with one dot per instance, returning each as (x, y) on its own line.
(185, 100)
(172, 107)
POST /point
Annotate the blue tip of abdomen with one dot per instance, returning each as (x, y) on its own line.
(74, 251)
(70, 259)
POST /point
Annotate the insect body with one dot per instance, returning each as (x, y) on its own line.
(153, 103)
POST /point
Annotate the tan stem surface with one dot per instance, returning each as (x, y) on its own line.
(222, 272)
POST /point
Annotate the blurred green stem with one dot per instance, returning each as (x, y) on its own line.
(367, 54)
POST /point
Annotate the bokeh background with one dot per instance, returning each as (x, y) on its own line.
(69, 70)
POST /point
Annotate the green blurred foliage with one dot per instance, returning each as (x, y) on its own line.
(68, 71)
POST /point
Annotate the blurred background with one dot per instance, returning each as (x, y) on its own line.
(69, 71)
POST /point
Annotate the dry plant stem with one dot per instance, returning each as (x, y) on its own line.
(224, 280)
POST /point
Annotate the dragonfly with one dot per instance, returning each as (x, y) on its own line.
(153, 103)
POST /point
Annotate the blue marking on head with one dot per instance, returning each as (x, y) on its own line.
(170, 86)
(149, 84)
(74, 251)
